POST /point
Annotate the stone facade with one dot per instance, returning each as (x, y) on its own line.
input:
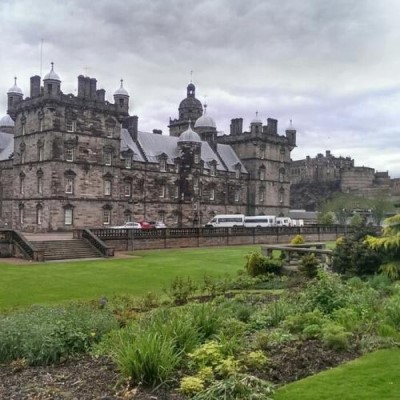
(80, 161)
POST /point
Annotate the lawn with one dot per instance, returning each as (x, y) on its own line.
(45, 283)
(373, 376)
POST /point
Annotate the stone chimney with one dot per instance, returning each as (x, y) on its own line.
(35, 86)
(131, 123)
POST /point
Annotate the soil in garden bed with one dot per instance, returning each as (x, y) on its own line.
(88, 378)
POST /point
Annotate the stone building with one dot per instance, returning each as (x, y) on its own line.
(71, 161)
(314, 180)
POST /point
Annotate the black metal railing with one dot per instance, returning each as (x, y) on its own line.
(95, 241)
(110, 233)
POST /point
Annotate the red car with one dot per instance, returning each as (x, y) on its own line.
(145, 225)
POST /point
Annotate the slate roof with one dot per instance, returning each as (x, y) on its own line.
(154, 145)
(128, 143)
(6, 145)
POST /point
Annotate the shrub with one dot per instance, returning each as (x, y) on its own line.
(335, 337)
(299, 322)
(181, 290)
(392, 311)
(348, 318)
(207, 355)
(382, 283)
(255, 359)
(149, 359)
(326, 293)
(258, 265)
(298, 239)
(309, 265)
(190, 385)
(43, 335)
(215, 286)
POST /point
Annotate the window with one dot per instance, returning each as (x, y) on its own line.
(40, 153)
(23, 128)
(68, 216)
(262, 152)
(128, 162)
(107, 158)
(40, 185)
(40, 124)
(39, 212)
(22, 156)
(237, 173)
(196, 158)
(176, 191)
(262, 174)
(281, 174)
(69, 155)
(106, 217)
(177, 167)
(107, 188)
(127, 189)
(22, 184)
(213, 170)
(128, 217)
(162, 191)
(70, 125)
(69, 185)
(261, 195)
(49, 88)
(281, 195)
(237, 195)
(163, 165)
(21, 215)
(212, 194)
(110, 125)
(196, 184)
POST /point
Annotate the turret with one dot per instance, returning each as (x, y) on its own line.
(121, 98)
(52, 83)
(14, 96)
(291, 135)
(256, 124)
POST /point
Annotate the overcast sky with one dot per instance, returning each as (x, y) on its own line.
(333, 67)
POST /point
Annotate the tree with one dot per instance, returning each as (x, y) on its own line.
(327, 218)
(342, 205)
(380, 206)
(389, 245)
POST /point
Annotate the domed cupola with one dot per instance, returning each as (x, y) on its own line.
(121, 97)
(256, 124)
(189, 136)
(190, 108)
(14, 96)
(52, 83)
(6, 122)
(205, 121)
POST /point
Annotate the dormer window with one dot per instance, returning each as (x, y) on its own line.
(213, 170)
(128, 162)
(163, 165)
(237, 173)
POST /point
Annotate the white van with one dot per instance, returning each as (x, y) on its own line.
(259, 221)
(226, 221)
(298, 222)
(283, 221)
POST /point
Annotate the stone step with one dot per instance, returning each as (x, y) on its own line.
(66, 249)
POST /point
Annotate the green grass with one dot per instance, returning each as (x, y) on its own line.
(46, 283)
(373, 376)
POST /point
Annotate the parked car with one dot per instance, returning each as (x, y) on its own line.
(159, 225)
(128, 225)
(145, 225)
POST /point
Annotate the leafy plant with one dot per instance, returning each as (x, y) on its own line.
(181, 289)
(190, 385)
(255, 359)
(238, 386)
(335, 337)
(298, 239)
(309, 265)
(258, 264)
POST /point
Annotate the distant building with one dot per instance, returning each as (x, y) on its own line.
(71, 161)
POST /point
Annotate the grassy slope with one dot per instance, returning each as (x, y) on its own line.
(373, 376)
(22, 285)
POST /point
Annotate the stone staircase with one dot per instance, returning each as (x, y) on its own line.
(66, 249)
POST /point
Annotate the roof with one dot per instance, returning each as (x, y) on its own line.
(189, 136)
(52, 75)
(128, 144)
(6, 145)
(229, 157)
(302, 214)
(6, 121)
(121, 91)
(154, 145)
